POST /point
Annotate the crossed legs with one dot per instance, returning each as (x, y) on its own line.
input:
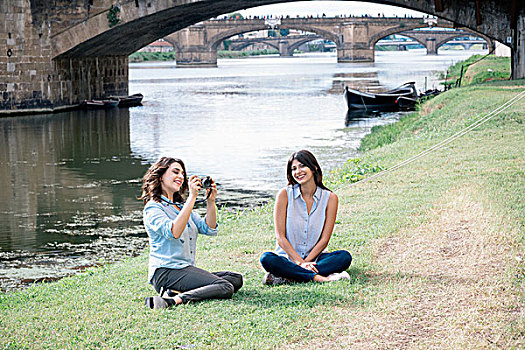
(327, 263)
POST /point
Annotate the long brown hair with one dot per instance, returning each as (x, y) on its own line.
(307, 158)
(152, 181)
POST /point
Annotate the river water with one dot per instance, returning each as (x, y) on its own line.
(71, 180)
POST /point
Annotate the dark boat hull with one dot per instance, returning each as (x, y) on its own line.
(388, 101)
(129, 101)
(99, 104)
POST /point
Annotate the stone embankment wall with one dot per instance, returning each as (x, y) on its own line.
(31, 80)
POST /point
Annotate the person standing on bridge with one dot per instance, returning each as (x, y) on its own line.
(172, 228)
(304, 218)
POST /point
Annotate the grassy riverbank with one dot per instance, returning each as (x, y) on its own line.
(479, 69)
(437, 246)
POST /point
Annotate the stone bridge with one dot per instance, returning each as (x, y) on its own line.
(56, 53)
(354, 37)
(285, 44)
(432, 40)
(402, 45)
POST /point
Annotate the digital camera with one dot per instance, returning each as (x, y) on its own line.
(206, 182)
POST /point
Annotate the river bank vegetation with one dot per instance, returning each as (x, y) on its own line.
(170, 56)
(437, 246)
(478, 69)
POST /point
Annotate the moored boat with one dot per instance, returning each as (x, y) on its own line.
(385, 101)
(128, 101)
(99, 104)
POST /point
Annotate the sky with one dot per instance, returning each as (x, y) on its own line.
(330, 8)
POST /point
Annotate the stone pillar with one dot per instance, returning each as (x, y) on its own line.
(355, 52)
(284, 49)
(192, 48)
(430, 44)
(195, 57)
(353, 45)
(518, 53)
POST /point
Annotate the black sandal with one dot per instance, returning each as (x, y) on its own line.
(157, 302)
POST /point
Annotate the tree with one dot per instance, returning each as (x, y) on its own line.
(235, 15)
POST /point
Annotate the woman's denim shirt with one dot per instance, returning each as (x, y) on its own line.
(165, 249)
(303, 230)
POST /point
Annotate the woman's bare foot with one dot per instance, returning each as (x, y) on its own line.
(319, 278)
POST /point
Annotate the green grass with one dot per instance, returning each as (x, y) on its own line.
(478, 69)
(433, 120)
(152, 56)
(170, 56)
(103, 307)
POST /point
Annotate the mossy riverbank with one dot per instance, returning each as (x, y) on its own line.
(437, 247)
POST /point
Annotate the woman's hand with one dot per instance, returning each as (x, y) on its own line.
(194, 186)
(211, 208)
(309, 266)
(211, 193)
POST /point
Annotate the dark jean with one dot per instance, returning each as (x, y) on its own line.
(327, 263)
(196, 284)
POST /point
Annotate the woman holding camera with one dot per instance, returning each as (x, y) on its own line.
(304, 217)
(172, 228)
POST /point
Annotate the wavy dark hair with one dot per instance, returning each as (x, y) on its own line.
(152, 181)
(307, 158)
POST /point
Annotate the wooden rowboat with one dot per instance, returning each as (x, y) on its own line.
(98, 104)
(128, 101)
(386, 101)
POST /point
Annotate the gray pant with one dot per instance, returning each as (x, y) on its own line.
(196, 284)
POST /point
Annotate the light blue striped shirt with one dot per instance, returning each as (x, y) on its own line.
(303, 230)
(166, 250)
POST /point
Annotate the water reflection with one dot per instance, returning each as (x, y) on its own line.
(69, 186)
(354, 117)
(363, 81)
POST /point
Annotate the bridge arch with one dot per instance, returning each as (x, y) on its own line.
(217, 39)
(266, 42)
(490, 42)
(413, 38)
(239, 47)
(391, 31)
(294, 46)
(407, 34)
(433, 45)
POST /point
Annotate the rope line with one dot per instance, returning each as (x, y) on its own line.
(448, 140)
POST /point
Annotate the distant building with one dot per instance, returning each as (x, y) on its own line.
(158, 46)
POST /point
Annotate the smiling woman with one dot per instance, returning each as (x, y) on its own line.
(172, 229)
(304, 216)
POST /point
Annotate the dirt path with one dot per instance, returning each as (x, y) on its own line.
(443, 285)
